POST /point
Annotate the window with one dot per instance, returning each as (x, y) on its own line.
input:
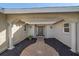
(66, 27)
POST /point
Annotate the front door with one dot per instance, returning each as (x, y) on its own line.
(40, 30)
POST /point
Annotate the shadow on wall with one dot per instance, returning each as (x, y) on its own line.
(18, 32)
(3, 36)
(3, 40)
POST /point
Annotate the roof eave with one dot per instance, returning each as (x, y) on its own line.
(42, 10)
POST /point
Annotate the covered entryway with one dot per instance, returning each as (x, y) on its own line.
(53, 27)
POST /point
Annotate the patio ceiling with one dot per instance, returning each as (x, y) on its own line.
(42, 20)
(35, 18)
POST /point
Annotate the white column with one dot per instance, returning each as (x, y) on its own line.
(10, 37)
(33, 29)
(73, 37)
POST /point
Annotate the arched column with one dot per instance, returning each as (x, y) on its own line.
(11, 46)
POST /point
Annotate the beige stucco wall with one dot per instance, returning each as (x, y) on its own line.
(61, 35)
(57, 31)
(49, 32)
(31, 30)
(18, 32)
(3, 36)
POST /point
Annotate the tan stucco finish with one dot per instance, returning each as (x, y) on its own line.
(3, 35)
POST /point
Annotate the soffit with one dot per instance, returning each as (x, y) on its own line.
(42, 10)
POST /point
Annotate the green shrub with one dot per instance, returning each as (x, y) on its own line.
(30, 37)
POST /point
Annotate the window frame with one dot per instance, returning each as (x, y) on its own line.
(66, 27)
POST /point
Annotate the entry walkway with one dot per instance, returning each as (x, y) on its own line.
(39, 49)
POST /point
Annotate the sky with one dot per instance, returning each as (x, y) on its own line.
(35, 5)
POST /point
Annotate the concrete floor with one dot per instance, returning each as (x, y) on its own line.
(39, 49)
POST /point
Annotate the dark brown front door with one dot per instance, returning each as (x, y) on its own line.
(40, 30)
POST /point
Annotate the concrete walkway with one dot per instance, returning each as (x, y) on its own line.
(39, 49)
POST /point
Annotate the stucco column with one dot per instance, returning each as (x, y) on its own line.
(73, 36)
(11, 46)
(33, 31)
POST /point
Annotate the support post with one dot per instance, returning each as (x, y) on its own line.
(73, 37)
(11, 46)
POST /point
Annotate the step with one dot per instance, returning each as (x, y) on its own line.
(40, 38)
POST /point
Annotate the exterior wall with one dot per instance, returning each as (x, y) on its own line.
(57, 30)
(18, 33)
(49, 32)
(31, 30)
(61, 35)
(3, 36)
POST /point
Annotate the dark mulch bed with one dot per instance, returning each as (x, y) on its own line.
(61, 48)
(18, 48)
